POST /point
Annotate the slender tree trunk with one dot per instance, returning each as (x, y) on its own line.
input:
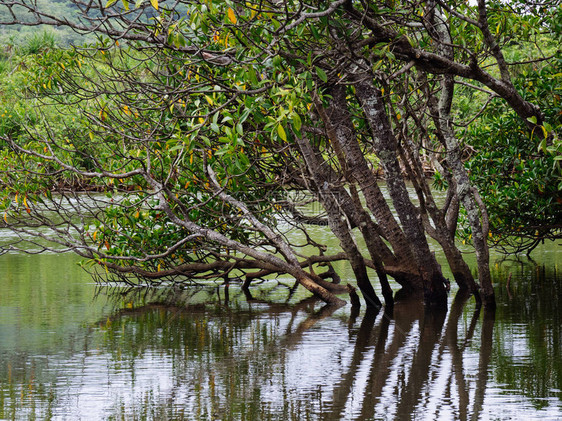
(368, 234)
(385, 146)
(443, 120)
(339, 224)
(337, 115)
(356, 164)
(441, 230)
(402, 266)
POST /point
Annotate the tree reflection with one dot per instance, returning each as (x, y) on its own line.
(530, 361)
(410, 361)
(407, 365)
(219, 354)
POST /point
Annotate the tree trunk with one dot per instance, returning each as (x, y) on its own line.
(337, 115)
(342, 134)
(443, 120)
(443, 229)
(385, 146)
(338, 222)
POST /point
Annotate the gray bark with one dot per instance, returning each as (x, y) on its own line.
(339, 224)
(444, 123)
(385, 146)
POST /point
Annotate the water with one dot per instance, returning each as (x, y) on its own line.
(70, 351)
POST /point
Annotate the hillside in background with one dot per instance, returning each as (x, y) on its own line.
(17, 35)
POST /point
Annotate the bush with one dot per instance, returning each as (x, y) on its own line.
(39, 42)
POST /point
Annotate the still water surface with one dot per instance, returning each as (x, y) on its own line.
(70, 351)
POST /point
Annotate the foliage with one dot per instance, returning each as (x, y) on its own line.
(519, 173)
(135, 227)
(197, 119)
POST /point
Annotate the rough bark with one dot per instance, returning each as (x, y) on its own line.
(385, 145)
(440, 230)
(359, 170)
(337, 115)
(444, 123)
(339, 224)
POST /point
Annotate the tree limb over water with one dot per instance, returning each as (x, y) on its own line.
(210, 125)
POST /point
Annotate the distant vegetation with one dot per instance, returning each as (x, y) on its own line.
(18, 35)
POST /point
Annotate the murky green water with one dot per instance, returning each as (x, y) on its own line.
(69, 351)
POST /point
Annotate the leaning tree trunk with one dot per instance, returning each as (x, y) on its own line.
(401, 265)
(385, 146)
(466, 197)
(442, 231)
(290, 265)
(337, 115)
(443, 120)
(337, 220)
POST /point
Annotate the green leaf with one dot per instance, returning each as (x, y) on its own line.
(377, 65)
(175, 148)
(532, 119)
(321, 74)
(314, 31)
(110, 3)
(244, 115)
(126, 4)
(251, 73)
(154, 4)
(281, 132)
(542, 146)
(297, 122)
(177, 40)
